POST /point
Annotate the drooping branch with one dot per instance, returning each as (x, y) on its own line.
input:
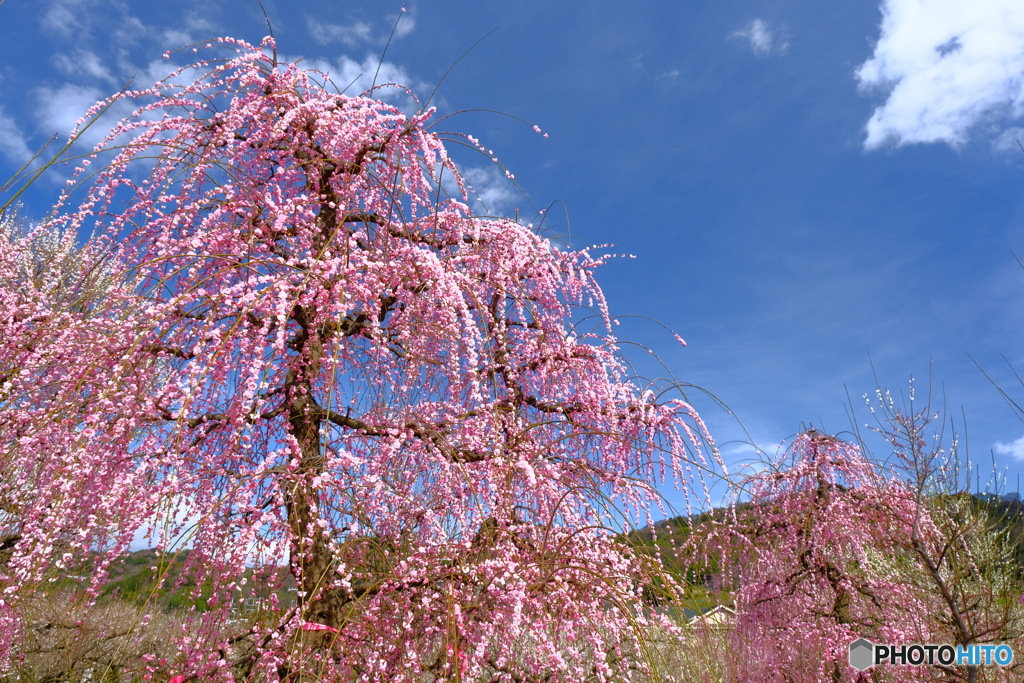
(168, 350)
(434, 435)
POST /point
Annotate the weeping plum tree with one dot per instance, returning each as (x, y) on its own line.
(819, 559)
(305, 357)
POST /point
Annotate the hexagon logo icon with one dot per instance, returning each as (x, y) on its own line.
(861, 654)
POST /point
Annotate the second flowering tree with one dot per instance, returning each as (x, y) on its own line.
(819, 558)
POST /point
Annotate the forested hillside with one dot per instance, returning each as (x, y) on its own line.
(667, 539)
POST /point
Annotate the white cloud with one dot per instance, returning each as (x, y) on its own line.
(358, 32)
(406, 24)
(947, 65)
(197, 28)
(79, 21)
(762, 40)
(83, 62)
(66, 16)
(491, 192)
(130, 30)
(333, 33)
(158, 70)
(12, 143)
(355, 78)
(1009, 140)
(176, 38)
(60, 108)
(739, 451)
(1014, 448)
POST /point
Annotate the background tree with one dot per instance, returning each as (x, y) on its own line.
(965, 561)
(811, 563)
(305, 355)
(48, 283)
(831, 547)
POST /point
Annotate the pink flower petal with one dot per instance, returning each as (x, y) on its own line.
(310, 626)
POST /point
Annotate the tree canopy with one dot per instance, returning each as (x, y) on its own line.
(304, 354)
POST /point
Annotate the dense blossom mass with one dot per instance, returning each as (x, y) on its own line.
(283, 346)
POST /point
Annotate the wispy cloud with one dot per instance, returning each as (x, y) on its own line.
(195, 28)
(946, 65)
(13, 144)
(406, 23)
(1010, 140)
(763, 41)
(1014, 448)
(350, 34)
(354, 32)
(60, 108)
(76, 20)
(82, 62)
(355, 78)
(491, 192)
(65, 17)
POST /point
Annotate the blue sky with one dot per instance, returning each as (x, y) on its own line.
(803, 184)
